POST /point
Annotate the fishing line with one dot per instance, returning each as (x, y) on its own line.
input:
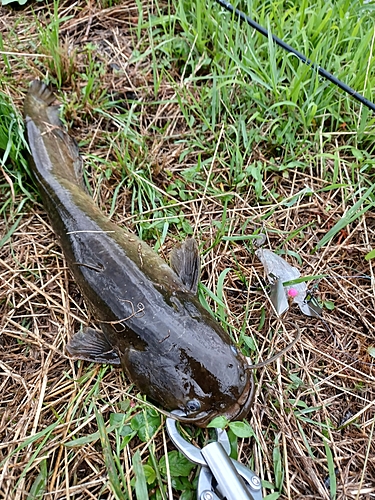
(277, 355)
(321, 71)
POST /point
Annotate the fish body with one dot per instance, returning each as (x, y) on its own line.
(151, 321)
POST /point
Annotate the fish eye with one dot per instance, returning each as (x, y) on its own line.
(193, 405)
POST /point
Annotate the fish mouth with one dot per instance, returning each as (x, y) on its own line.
(242, 407)
(236, 412)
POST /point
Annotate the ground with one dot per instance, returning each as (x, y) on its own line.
(190, 124)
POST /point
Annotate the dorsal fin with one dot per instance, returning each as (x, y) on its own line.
(185, 261)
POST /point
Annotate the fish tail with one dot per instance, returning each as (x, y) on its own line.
(38, 105)
(39, 90)
(54, 151)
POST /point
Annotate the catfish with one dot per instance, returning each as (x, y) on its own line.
(148, 316)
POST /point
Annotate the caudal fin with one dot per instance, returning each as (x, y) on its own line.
(38, 105)
(53, 150)
(39, 90)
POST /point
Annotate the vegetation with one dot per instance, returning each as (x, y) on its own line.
(190, 123)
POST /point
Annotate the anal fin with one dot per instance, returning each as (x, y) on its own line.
(92, 345)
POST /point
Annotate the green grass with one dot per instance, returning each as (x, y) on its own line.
(205, 109)
(15, 182)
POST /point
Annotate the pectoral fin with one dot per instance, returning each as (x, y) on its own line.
(92, 345)
(185, 261)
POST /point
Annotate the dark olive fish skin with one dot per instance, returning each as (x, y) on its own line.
(152, 322)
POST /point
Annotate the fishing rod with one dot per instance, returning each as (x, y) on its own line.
(321, 71)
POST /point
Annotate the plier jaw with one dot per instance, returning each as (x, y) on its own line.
(220, 476)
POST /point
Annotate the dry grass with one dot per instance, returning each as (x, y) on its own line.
(321, 394)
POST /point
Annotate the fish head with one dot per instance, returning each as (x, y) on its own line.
(232, 400)
(216, 380)
(193, 366)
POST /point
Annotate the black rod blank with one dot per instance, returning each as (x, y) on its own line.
(228, 6)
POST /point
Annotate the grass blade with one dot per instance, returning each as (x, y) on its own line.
(331, 470)
(140, 478)
(351, 215)
(113, 475)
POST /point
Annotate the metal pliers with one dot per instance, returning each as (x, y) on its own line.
(220, 476)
